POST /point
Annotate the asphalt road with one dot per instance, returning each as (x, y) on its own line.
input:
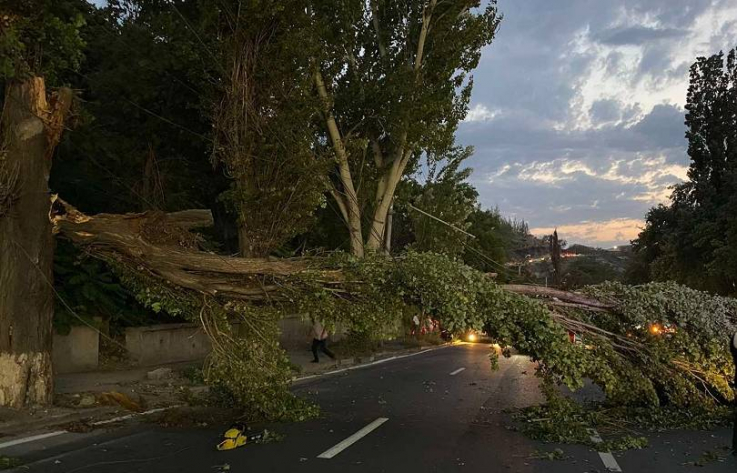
(441, 411)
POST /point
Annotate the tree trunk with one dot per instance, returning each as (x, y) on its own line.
(375, 238)
(30, 129)
(555, 258)
(347, 199)
(388, 236)
(249, 246)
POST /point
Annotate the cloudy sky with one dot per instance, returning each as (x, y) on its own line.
(577, 111)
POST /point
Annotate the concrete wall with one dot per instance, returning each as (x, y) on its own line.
(297, 333)
(157, 344)
(76, 352)
(167, 343)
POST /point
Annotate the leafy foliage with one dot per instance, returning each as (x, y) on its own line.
(7, 462)
(447, 196)
(694, 239)
(264, 127)
(563, 420)
(91, 290)
(586, 271)
(397, 85)
(496, 238)
(142, 139)
(686, 367)
(42, 38)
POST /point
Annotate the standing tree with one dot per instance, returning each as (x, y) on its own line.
(392, 77)
(449, 198)
(264, 126)
(142, 140)
(495, 238)
(694, 239)
(30, 127)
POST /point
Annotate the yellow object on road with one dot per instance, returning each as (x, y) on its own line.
(233, 438)
(239, 434)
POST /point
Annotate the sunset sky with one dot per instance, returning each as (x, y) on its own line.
(577, 111)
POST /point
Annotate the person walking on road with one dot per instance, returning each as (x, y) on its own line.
(319, 340)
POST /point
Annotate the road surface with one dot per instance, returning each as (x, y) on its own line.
(440, 411)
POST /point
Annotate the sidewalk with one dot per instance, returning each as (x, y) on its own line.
(81, 400)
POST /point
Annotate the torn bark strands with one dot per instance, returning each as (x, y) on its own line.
(129, 239)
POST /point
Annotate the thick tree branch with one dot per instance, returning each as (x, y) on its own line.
(550, 293)
(344, 171)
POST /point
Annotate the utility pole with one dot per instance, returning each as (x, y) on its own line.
(555, 257)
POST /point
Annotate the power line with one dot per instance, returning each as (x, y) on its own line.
(64, 303)
(441, 221)
(488, 259)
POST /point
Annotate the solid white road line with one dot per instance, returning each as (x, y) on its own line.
(606, 457)
(453, 373)
(33, 438)
(331, 452)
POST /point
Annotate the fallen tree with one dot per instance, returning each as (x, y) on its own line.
(651, 345)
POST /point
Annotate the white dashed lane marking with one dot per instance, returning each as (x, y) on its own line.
(339, 447)
(606, 457)
(453, 373)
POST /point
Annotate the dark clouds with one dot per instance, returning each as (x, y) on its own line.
(592, 91)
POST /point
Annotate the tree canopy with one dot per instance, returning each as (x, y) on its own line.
(693, 240)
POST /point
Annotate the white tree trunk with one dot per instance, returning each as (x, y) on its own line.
(347, 198)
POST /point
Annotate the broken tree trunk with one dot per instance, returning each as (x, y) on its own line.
(159, 244)
(30, 128)
(558, 297)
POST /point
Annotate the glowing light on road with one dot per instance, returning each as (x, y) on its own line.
(471, 337)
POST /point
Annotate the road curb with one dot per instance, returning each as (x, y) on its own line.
(297, 380)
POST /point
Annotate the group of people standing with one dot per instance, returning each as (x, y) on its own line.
(421, 328)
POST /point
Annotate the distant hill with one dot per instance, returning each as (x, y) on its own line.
(581, 264)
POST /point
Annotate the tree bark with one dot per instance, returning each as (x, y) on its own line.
(347, 198)
(388, 232)
(31, 128)
(375, 238)
(549, 293)
(159, 245)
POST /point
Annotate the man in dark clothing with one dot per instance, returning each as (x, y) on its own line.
(319, 341)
